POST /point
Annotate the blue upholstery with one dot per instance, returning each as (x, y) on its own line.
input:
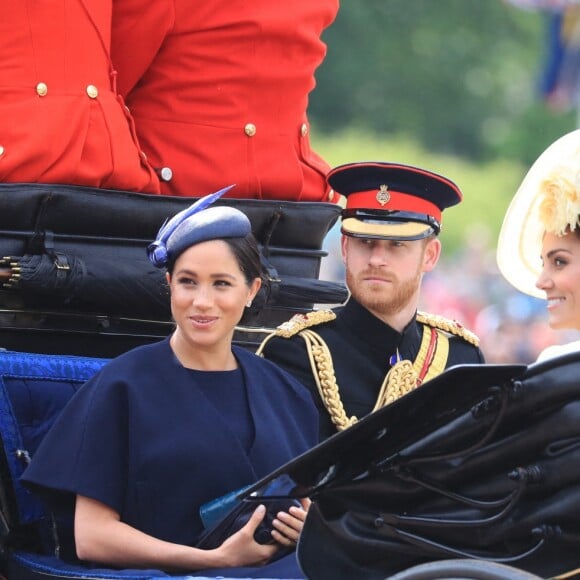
(26, 566)
(33, 390)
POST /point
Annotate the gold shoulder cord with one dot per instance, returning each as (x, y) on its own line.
(402, 378)
(296, 324)
(323, 372)
(449, 326)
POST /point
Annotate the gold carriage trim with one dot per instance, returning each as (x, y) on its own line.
(448, 325)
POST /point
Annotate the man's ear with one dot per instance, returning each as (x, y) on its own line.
(343, 247)
(431, 254)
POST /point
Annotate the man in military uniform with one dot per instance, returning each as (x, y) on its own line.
(377, 347)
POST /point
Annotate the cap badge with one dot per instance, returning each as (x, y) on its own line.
(383, 195)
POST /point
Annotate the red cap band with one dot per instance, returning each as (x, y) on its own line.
(392, 201)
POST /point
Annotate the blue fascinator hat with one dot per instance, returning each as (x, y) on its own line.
(196, 224)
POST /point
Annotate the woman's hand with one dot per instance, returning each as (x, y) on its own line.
(102, 537)
(288, 525)
(241, 549)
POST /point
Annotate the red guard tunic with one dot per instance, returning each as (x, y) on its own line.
(60, 119)
(219, 92)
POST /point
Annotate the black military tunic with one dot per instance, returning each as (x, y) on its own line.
(362, 347)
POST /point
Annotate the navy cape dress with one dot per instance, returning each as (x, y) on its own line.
(143, 438)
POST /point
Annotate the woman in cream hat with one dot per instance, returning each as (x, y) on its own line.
(539, 244)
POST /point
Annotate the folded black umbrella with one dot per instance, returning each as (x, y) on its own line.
(294, 289)
(91, 283)
(98, 283)
(83, 250)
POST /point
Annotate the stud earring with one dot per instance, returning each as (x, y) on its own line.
(248, 303)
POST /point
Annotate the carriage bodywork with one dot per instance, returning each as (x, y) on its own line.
(356, 476)
(85, 292)
(81, 276)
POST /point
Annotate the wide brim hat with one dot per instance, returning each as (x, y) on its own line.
(519, 244)
(392, 201)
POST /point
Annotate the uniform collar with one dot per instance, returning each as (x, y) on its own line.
(379, 335)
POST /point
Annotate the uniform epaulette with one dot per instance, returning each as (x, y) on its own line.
(300, 322)
(448, 325)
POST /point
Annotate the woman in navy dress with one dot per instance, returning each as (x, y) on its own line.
(167, 427)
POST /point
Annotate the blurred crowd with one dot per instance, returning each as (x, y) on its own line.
(466, 286)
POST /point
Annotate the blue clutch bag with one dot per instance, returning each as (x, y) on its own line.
(215, 510)
(225, 515)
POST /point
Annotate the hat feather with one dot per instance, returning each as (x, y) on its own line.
(157, 250)
(560, 206)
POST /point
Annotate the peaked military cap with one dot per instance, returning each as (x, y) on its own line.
(392, 200)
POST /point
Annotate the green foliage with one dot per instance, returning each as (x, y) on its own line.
(458, 76)
(449, 85)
